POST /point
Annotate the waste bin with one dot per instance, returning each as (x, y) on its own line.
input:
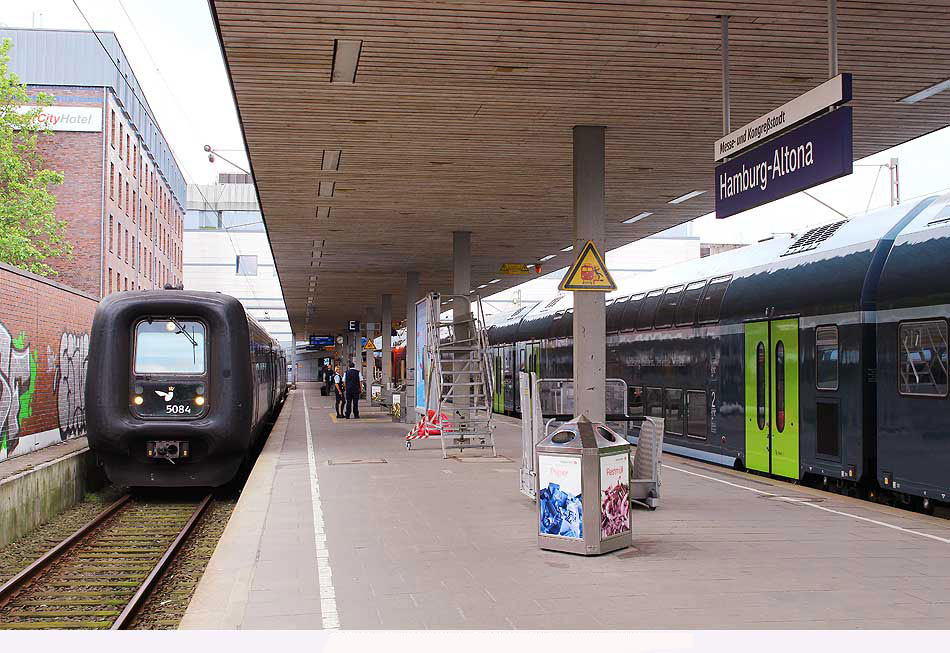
(583, 489)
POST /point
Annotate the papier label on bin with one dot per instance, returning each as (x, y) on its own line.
(614, 495)
(559, 499)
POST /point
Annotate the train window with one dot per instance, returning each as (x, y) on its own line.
(760, 385)
(654, 403)
(630, 311)
(666, 309)
(780, 386)
(696, 414)
(169, 346)
(648, 310)
(826, 422)
(712, 299)
(922, 358)
(635, 401)
(826, 357)
(686, 311)
(673, 411)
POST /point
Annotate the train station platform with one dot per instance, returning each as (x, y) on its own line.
(340, 526)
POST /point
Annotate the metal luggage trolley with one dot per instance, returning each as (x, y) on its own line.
(645, 476)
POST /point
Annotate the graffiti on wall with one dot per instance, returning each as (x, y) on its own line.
(71, 382)
(19, 371)
(17, 385)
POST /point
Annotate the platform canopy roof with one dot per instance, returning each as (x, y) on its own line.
(376, 128)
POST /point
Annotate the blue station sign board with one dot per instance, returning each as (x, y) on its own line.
(322, 341)
(816, 152)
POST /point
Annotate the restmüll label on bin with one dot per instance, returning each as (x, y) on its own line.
(615, 495)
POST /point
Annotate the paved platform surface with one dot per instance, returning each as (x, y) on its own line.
(420, 542)
(20, 464)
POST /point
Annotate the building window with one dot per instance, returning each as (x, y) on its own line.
(110, 240)
(110, 269)
(126, 245)
(128, 144)
(118, 286)
(121, 138)
(112, 142)
(826, 357)
(120, 190)
(696, 414)
(111, 181)
(922, 358)
(246, 265)
(135, 160)
(134, 206)
(126, 198)
(133, 252)
(125, 282)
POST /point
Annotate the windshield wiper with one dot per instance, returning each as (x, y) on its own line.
(181, 330)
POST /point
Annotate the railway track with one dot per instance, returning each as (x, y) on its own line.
(100, 576)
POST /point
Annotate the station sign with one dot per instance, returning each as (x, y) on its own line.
(321, 341)
(835, 91)
(588, 272)
(353, 326)
(514, 268)
(816, 152)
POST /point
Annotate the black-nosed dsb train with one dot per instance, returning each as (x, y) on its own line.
(821, 357)
(185, 383)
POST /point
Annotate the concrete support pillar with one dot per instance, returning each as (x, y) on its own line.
(590, 325)
(386, 330)
(461, 310)
(369, 365)
(412, 296)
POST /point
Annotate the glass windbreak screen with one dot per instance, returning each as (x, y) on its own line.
(170, 347)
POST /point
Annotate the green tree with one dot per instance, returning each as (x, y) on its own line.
(30, 233)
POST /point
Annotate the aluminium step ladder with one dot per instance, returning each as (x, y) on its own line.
(459, 384)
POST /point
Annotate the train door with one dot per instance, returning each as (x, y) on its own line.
(498, 391)
(508, 354)
(771, 397)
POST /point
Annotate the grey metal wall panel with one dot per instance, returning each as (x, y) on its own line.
(78, 58)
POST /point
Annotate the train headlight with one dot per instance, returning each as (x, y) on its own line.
(137, 400)
(199, 401)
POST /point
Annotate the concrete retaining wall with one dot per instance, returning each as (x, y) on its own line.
(33, 497)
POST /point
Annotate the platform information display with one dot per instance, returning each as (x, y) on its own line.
(812, 154)
(421, 328)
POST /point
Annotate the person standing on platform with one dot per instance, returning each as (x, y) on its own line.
(353, 385)
(338, 390)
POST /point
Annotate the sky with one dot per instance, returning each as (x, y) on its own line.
(174, 52)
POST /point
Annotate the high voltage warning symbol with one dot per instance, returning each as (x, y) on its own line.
(588, 272)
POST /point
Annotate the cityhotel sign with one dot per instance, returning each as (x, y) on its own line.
(816, 152)
(67, 119)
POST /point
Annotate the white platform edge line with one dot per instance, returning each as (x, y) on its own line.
(328, 610)
(809, 504)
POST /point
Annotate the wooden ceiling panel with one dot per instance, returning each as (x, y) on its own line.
(461, 112)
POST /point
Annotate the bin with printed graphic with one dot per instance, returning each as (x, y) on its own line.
(583, 489)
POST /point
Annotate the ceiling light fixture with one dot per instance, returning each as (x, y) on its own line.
(484, 285)
(637, 217)
(331, 160)
(346, 59)
(926, 93)
(688, 196)
(546, 258)
(568, 248)
(494, 281)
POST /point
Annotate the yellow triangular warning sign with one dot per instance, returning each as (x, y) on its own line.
(369, 345)
(588, 272)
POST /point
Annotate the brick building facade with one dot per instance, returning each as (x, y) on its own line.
(123, 195)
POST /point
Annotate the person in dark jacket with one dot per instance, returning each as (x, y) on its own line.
(353, 386)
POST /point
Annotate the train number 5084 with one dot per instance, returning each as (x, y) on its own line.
(177, 409)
